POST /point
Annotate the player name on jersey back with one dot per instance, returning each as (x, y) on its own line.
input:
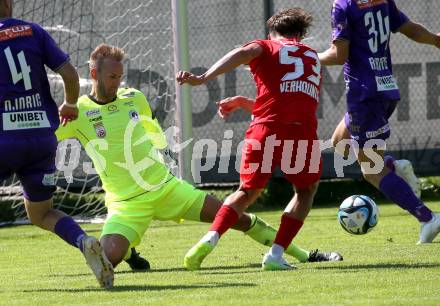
(300, 86)
(21, 113)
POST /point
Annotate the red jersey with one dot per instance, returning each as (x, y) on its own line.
(288, 79)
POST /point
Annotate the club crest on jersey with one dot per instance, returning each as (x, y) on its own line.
(133, 115)
(100, 129)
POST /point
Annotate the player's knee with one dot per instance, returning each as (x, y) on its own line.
(335, 140)
(373, 179)
(41, 213)
(114, 255)
(115, 247)
(251, 194)
(309, 191)
(312, 188)
(37, 218)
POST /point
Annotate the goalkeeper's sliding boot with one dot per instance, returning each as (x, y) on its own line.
(272, 263)
(137, 262)
(194, 257)
(97, 261)
(316, 256)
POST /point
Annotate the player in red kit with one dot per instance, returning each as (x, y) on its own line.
(282, 132)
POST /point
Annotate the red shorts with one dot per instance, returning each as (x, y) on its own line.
(294, 148)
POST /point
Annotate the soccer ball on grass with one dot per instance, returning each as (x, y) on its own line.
(358, 214)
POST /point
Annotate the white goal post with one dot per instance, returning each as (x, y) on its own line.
(183, 93)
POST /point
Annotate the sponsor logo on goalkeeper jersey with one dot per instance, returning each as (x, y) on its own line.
(15, 31)
(134, 115)
(93, 112)
(95, 119)
(100, 129)
(112, 109)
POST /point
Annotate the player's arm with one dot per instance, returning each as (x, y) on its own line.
(69, 110)
(58, 61)
(337, 54)
(155, 133)
(229, 105)
(239, 56)
(151, 125)
(71, 83)
(418, 33)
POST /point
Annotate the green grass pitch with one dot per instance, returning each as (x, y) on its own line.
(384, 267)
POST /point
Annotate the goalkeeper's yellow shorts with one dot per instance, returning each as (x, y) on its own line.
(176, 201)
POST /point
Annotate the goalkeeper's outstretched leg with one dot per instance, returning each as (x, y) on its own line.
(254, 227)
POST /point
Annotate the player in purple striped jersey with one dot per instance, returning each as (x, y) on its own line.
(361, 36)
(28, 120)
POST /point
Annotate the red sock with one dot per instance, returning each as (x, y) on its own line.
(289, 227)
(225, 218)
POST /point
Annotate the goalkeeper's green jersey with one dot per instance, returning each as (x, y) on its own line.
(121, 138)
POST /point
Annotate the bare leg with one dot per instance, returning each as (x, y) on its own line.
(341, 133)
(42, 214)
(212, 206)
(291, 222)
(115, 247)
(300, 205)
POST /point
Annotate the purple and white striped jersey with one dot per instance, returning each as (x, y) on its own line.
(367, 25)
(26, 105)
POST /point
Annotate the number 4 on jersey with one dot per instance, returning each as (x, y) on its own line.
(25, 69)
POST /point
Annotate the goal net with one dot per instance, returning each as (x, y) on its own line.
(144, 30)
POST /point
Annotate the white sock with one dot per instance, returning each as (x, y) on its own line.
(276, 250)
(212, 237)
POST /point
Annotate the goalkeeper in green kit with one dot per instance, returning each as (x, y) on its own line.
(116, 127)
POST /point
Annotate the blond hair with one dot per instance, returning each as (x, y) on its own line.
(104, 51)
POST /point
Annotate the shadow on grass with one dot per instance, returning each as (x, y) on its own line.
(379, 266)
(148, 288)
(245, 266)
(166, 270)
